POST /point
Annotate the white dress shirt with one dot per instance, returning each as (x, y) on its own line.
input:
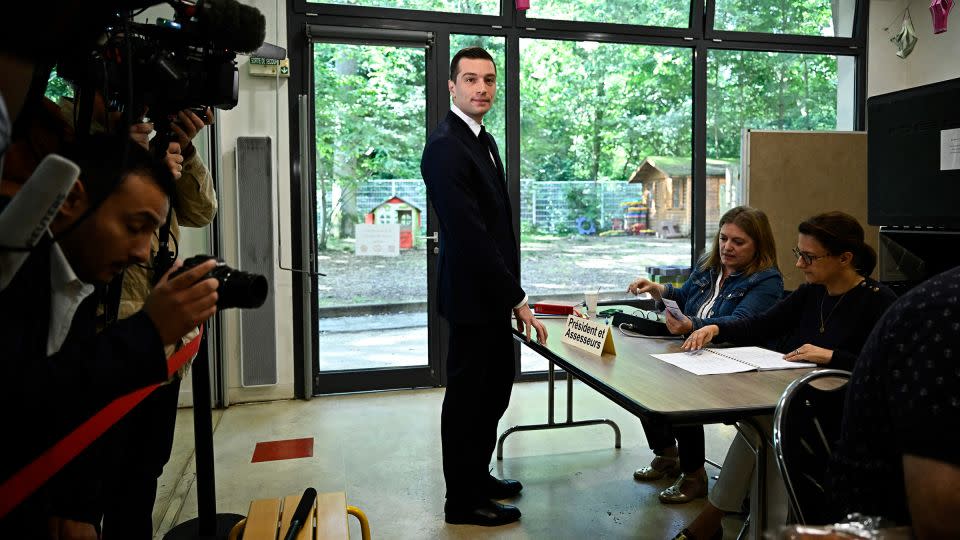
(475, 128)
(66, 294)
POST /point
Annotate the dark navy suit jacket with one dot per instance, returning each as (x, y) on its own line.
(48, 396)
(479, 264)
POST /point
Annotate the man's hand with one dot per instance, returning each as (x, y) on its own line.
(178, 305)
(186, 125)
(701, 337)
(140, 133)
(174, 160)
(678, 326)
(68, 529)
(642, 285)
(526, 320)
(932, 496)
(809, 353)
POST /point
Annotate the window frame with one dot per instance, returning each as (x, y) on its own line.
(512, 24)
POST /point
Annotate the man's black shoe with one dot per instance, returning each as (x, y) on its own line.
(485, 513)
(501, 489)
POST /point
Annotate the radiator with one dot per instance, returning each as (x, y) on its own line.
(258, 335)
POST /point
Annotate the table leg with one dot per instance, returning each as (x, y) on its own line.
(551, 424)
(758, 494)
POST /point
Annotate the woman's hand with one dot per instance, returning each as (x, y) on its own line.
(809, 353)
(678, 326)
(642, 285)
(701, 337)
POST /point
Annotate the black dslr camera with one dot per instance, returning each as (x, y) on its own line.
(236, 289)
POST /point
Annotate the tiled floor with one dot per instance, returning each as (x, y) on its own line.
(383, 450)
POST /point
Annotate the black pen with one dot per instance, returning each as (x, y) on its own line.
(302, 513)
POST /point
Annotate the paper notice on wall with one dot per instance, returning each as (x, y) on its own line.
(950, 150)
(378, 240)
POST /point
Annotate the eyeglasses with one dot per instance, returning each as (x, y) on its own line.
(807, 258)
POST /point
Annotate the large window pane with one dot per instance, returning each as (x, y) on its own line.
(370, 110)
(771, 91)
(478, 7)
(669, 13)
(605, 165)
(832, 18)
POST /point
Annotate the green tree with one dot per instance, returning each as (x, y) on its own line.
(669, 13)
(485, 7)
(588, 111)
(370, 107)
(593, 111)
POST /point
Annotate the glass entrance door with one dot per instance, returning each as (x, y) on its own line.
(370, 124)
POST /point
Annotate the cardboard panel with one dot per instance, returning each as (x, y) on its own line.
(792, 175)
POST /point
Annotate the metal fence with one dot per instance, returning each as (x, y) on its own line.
(546, 205)
(373, 193)
(543, 205)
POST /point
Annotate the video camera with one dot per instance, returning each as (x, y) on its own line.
(188, 62)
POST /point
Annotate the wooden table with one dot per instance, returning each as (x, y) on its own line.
(656, 390)
(652, 389)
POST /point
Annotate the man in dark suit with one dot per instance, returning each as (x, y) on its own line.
(479, 275)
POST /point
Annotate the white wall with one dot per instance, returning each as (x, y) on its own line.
(262, 111)
(934, 58)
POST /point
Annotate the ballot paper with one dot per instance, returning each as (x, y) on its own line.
(674, 309)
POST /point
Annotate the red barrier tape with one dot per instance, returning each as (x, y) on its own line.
(28, 479)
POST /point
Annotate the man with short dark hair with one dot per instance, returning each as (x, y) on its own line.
(64, 369)
(479, 281)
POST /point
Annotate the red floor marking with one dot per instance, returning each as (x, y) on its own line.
(287, 449)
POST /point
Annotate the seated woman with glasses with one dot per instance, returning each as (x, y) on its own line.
(737, 279)
(825, 321)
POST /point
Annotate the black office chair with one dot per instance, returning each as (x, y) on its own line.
(806, 428)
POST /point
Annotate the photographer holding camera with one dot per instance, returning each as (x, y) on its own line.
(143, 440)
(66, 334)
(105, 225)
(140, 444)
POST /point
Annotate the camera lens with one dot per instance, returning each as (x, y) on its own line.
(236, 288)
(239, 289)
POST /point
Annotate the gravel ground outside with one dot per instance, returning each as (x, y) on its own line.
(551, 265)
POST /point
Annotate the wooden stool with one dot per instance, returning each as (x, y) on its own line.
(269, 519)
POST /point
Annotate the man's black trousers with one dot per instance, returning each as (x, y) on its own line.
(480, 374)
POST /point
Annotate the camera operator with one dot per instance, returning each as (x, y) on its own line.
(64, 370)
(141, 443)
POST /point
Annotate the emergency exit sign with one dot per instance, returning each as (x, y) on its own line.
(268, 67)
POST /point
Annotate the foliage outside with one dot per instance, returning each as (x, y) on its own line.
(589, 111)
(483, 7)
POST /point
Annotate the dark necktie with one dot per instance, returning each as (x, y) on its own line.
(487, 142)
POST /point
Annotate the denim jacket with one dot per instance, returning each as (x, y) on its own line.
(741, 296)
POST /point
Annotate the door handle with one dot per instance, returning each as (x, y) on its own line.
(435, 237)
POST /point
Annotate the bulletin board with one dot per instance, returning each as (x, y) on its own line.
(792, 175)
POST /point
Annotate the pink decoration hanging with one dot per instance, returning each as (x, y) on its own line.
(940, 9)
